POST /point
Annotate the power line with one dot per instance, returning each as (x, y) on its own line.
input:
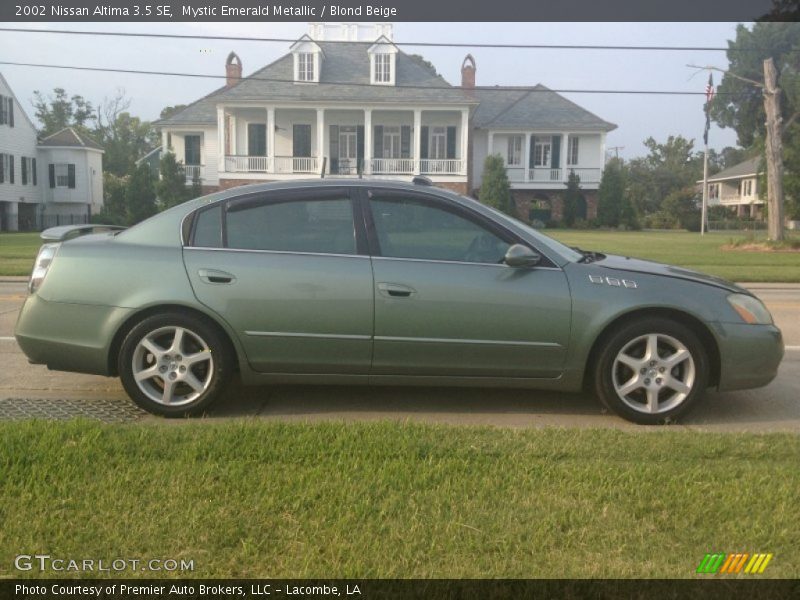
(415, 44)
(354, 84)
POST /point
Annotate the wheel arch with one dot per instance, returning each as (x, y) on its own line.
(137, 317)
(696, 325)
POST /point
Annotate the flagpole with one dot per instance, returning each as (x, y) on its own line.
(705, 192)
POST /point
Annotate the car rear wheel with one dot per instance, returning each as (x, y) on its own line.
(174, 364)
(652, 371)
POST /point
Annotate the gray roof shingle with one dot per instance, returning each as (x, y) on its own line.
(534, 108)
(748, 167)
(69, 137)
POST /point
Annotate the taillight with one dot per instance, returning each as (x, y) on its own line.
(43, 260)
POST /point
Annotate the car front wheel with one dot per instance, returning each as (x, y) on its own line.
(174, 364)
(652, 371)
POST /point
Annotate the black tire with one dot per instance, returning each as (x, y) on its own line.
(634, 406)
(213, 374)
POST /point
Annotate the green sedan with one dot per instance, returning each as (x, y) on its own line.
(379, 282)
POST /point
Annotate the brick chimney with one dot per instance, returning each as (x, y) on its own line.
(468, 72)
(233, 69)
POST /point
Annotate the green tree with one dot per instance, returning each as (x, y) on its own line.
(496, 189)
(59, 110)
(168, 111)
(140, 196)
(115, 205)
(681, 206)
(124, 138)
(171, 187)
(423, 62)
(573, 201)
(611, 194)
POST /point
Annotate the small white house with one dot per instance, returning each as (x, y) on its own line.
(54, 181)
(737, 188)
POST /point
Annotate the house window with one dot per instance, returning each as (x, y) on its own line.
(62, 175)
(391, 142)
(541, 152)
(713, 190)
(747, 187)
(6, 111)
(437, 148)
(514, 154)
(572, 150)
(383, 68)
(191, 144)
(305, 66)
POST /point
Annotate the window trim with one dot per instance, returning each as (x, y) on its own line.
(573, 148)
(310, 67)
(65, 175)
(515, 138)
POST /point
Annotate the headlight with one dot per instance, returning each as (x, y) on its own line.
(751, 309)
(46, 255)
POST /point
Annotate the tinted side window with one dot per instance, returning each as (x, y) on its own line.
(408, 228)
(208, 229)
(320, 226)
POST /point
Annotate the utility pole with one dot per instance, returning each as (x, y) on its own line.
(616, 150)
(774, 152)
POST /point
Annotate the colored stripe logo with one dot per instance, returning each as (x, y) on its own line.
(740, 562)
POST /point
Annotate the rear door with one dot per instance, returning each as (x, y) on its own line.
(285, 270)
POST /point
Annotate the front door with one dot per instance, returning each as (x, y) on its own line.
(446, 305)
(348, 150)
(284, 272)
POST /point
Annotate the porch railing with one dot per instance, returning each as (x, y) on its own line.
(296, 164)
(192, 172)
(391, 166)
(544, 174)
(441, 166)
(587, 175)
(235, 163)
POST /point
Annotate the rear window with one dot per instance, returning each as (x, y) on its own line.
(208, 228)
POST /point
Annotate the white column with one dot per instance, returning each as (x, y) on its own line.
(464, 140)
(271, 139)
(526, 157)
(367, 141)
(417, 140)
(321, 138)
(563, 163)
(164, 137)
(602, 151)
(490, 146)
(221, 138)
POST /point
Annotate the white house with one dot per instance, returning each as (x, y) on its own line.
(54, 181)
(737, 188)
(346, 101)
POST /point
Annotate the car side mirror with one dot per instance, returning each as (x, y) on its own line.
(521, 256)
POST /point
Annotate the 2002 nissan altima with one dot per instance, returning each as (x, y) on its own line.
(335, 281)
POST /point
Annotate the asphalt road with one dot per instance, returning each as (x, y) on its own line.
(27, 390)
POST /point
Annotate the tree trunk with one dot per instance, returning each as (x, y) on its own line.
(774, 152)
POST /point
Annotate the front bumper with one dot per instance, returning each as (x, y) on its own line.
(68, 337)
(749, 355)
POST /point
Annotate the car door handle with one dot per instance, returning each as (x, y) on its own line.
(214, 276)
(395, 290)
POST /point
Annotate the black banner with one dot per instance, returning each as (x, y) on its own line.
(712, 588)
(396, 10)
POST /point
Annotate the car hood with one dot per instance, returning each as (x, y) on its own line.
(635, 265)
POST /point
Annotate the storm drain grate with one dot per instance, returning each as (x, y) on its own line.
(108, 411)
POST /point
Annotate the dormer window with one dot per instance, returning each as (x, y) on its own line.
(382, 55)
(307, 60)
(305, 66)
(383, 68)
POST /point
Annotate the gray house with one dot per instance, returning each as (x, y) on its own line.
(346, 101)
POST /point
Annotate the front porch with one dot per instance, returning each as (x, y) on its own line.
(288, 142)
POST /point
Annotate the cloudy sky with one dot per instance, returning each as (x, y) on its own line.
(637, 116)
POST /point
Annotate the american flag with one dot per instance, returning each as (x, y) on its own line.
(710, 88)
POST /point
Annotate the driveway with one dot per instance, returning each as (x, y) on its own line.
(30, 390)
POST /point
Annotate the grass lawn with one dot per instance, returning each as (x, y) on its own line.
(254, 499)
(17, 252)
(690, 250)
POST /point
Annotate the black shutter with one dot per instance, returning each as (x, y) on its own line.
(377, 143)
(423, 139)
(51, 169)
(11, 112)
(301, 140)
(556, 152)
(33, 170)
(2, 110)
(24, 163)
(71, 176)
(11, 168)
(451, 142)
(334, 148)
(256, 139)
(2, 170)
(405, 141)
